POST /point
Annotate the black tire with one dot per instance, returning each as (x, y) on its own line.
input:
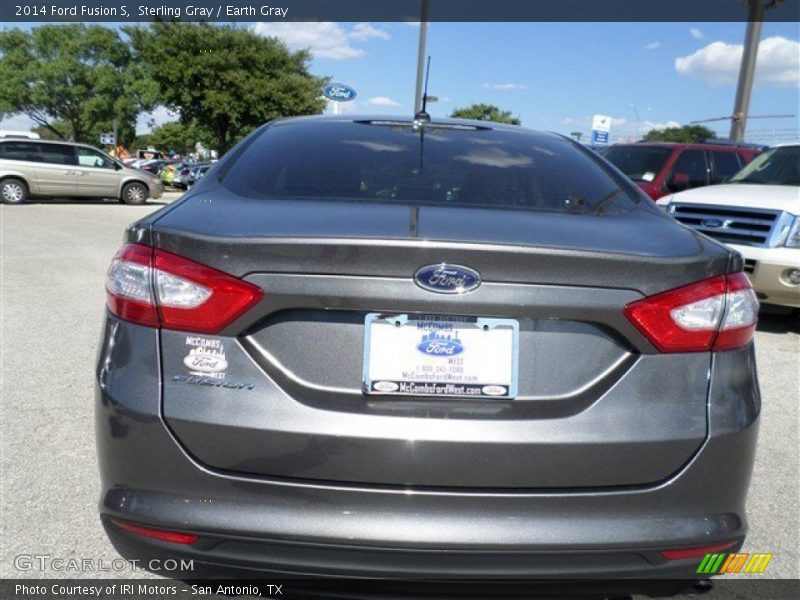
(13, 191)
(134, 193)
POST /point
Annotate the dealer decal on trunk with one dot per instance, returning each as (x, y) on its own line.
(206, 357)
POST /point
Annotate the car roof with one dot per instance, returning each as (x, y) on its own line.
(688, 145)
(28, 135)
(51, 142)
(407, 120)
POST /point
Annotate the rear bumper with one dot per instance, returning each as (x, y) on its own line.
(226, 556)
(769, 268)
(292, 527)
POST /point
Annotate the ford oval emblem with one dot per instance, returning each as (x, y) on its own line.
(339, 92)
(447, 279)
(435, 345)
(205, 363)
(711, 223)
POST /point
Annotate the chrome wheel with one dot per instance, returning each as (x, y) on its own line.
(134, 194)
(12, 192)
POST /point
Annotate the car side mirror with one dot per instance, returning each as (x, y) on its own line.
(117, 166)
(678, 182)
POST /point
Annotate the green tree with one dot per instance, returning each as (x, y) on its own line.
(685, 133)
(486, 112)
(179, 137)
(73, 80)
(226, 79)
(143, 140)
(61, 130)
(46, 133)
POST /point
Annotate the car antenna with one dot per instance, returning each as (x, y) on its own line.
(422, 116)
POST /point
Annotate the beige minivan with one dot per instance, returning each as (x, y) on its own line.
(39, 168)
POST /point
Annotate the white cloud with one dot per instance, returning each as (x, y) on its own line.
(696, 33)
(364, 31)
(618, 121)
(646, 126)
(718, 63)
(324, 40)
(652, 45)
(382, 101)
(505, 87)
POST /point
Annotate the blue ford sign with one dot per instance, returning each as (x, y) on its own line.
(447, 279)
(339, 92)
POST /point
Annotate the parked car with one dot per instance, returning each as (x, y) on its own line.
(197, 173)
(181, 176)
(38, 168)
(188, 176)
(660, 168)
(366, 343)
(172, 170)
(151, 166)
(757, 213)
(150, 154)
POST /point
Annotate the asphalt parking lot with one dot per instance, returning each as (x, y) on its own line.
(54, 256)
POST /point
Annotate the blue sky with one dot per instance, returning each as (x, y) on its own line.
(554, 76)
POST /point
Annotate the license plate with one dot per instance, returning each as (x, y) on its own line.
(420, 355)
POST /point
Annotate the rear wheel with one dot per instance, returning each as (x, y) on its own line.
(13, 191)
(134, 193)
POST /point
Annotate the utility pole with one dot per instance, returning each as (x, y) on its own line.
(636, 112)
(755, 20)
(423, 35)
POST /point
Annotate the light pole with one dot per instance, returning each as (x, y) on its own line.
(638, 120)
(747, 68)
(636, 112)
(423, 35)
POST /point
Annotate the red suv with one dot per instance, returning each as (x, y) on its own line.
(661, 168)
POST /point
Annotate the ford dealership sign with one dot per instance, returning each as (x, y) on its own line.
(339, 92)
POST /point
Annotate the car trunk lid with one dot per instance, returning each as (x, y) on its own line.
(596, 406)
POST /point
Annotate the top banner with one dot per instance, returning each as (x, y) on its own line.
(87, 11)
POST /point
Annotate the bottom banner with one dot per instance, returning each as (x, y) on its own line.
(362, 589)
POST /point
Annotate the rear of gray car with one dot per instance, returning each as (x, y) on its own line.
(434, 350)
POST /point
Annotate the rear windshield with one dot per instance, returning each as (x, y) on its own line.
(445, 165)
(779, 166)
(640, 163)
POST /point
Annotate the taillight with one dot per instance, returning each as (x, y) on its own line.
(175, 537)
(160, 289)
(713, 314)
(696, 551)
